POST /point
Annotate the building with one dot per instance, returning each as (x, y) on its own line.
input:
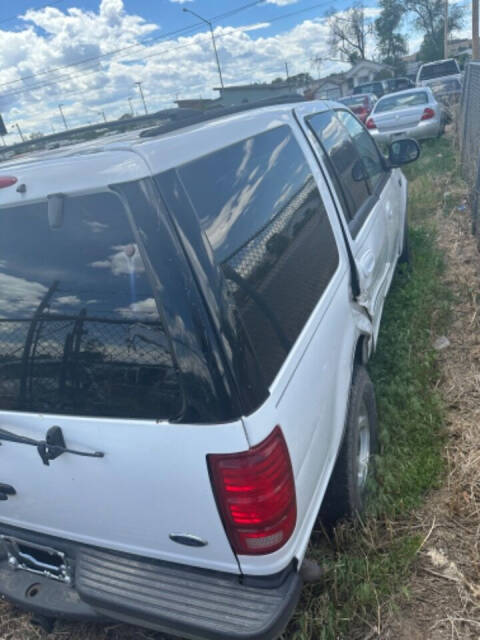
(459, 47)
(246, 93)
(337, 85)
(200, 104)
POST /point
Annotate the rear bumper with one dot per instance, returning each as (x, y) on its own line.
(420, 132)
(175, 599)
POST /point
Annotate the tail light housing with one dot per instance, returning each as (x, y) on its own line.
(255, 493)
(428, 114)
(371, 124)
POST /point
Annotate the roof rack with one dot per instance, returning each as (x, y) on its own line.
(187, 119)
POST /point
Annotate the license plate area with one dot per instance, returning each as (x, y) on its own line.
(37, 559)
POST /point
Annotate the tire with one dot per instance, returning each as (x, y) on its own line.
(348, 487)
(404, 257)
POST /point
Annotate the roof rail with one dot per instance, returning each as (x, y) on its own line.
(186, 120)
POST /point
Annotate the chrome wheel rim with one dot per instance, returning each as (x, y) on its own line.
(363, 451)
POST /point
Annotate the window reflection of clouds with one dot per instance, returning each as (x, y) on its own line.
(19, 295)
(141, 310)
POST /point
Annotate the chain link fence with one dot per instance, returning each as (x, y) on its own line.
(469, 138)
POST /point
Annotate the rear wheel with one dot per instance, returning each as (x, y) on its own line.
(348, 487)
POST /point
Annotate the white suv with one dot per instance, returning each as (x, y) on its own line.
(184, 323)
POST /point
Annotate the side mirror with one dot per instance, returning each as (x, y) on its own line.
(403, 151)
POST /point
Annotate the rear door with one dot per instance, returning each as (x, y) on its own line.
(361, 185)
(84, 346)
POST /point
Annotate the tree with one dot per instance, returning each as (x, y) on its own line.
(429, 19)
(391, 44)
(349, 33)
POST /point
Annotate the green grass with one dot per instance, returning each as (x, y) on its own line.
(368, 563)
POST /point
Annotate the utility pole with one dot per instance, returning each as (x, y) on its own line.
(213, 41)
(104, 116)
(288, 78)
(131, 107)
(445, 30)
(475, 38)
(139, 85)
(20, 132)
(63, 117)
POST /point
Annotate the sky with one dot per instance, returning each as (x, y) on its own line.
(87, 55)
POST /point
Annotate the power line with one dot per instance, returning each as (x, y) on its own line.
(44, 6)
(169, 50)
(149, 39)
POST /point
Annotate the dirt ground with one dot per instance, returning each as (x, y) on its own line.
(445, 588)
(444, 591)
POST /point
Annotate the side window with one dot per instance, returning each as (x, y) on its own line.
(344, 160)
(262, 213)
(366, 147)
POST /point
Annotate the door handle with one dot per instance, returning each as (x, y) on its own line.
(367, 263)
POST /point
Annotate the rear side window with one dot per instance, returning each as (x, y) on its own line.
(263, 216)
(80, 331)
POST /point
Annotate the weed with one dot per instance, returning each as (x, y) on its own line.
(368, 562)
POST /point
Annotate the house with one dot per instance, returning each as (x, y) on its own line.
(337, 85)
(200, 104)
(246, 93)
(459, 47)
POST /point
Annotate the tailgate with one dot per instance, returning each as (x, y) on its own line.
(87, 345)
(152, 482)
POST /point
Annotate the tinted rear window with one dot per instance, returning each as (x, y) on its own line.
(262, 213)
(355, 101)
(401, 101)
(80, 332)
(438, 69)
(372, 87)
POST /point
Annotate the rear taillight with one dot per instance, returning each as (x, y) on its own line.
(255, 493)
(7, 181)
(371, 124)
(428, 114)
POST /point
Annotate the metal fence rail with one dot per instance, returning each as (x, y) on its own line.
(469, 138)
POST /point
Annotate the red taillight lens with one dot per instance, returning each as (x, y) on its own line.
(255, 493)
(371, 124)
(428, 114)
(7, 181)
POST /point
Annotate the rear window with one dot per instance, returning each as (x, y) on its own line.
(372, 87)
(438, 69)
(401, 101)
(80, 332)
(263, 216)
(355, 101)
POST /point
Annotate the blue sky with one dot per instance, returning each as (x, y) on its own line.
(114, 43)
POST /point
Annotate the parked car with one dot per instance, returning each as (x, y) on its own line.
(361, 105)
(438, 69)
(414, 113)
(391, 85)
(376, 88)
(446, 90)
(185, 320)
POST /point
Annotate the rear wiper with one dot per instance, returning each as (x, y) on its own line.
(52, 447)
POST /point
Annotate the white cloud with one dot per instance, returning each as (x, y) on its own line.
(281, 3)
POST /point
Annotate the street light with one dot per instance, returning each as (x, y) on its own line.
(139, 85)
(20, 133)
(213, 40)
(131, 107)
(63, 117)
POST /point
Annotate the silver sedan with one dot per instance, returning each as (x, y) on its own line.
(414, 113)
